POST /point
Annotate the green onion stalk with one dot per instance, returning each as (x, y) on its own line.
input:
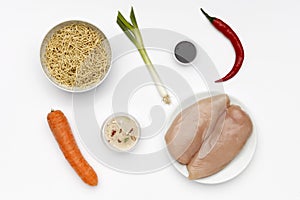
(133, 33)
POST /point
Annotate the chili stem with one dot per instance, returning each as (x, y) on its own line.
(211, 19)
(133, 33)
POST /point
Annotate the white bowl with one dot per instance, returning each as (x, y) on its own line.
(43, 48)
(121, 114)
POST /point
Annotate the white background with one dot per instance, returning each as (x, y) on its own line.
(32, 166)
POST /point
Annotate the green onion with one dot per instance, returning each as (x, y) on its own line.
(133, 33)
(126, 139)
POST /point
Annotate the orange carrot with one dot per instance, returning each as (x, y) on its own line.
(62, 132)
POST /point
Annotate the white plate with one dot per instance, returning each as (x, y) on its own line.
(238, 164)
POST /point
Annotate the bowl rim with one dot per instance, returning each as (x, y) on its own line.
(43, 45)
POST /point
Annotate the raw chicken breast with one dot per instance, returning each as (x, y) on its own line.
(190, 127)
(236, 130)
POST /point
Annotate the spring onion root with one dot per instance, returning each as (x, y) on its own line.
(133, 33)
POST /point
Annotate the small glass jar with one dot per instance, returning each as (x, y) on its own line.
(121, 132)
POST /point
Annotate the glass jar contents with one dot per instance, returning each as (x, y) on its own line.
(121, 132)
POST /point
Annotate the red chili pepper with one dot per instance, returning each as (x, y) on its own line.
(235, 41)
